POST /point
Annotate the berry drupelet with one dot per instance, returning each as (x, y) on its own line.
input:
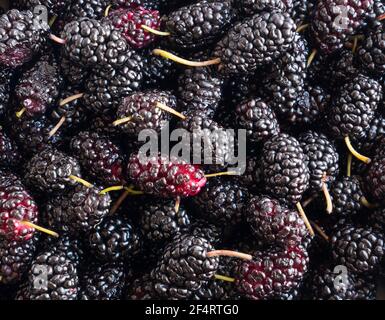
(6, 75)
(273, 223)
(62, 277)
(55, 7)
(92, 9)
(160, 221)
(199, 89)
(371, 53)
(15, 259)
(165, 177)
(256, 41)
(50, 171)
(9, 151)
(79, 210)
(271, 273)
(184, 267)
(16, 206)
(222, 202)
(346, 194)
(130, 21)
(142, 112)
(251, 7)
(114, 240)
(99, 156)
(198, 25)
(285, 168)
(361, 250)
(23, 35)
(322, 285)
(258, 119)
(106, 88)
(91, 43)
(102, 282)
(334, 21)
(39, 87)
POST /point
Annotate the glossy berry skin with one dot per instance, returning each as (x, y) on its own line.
(346, 194)
(9, 151)
(184, 267)
(165, 177)
(271, 273)
(16, 205)
(99, 156)
(329, 30)
(361, 250)
(273, 223)
(129, 22)
(285, 168)
(22, 37)
(376, 179)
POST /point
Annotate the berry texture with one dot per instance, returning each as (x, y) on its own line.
(9, 151)
(274, 223)
(22, 37)
(184, 267)
(285, 168)
(142, 108)
(91, 43)
(114, 240)
(103, 282)
(359, 249)
(165, 177)
(354, 107)
(274, 273)
(222, 202)
(130, 21)
(39, 87)
(258, 119)
(323, 158)
(329, 30)
(199, 24)
(160, 222)
(49, 171)
(346, 194)
(100, 157)
(15, 258)
(258, 40)
(16, 206)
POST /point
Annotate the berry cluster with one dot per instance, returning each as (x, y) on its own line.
(109, 217)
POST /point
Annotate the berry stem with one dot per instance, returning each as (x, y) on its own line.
(57, 127)
(41, 229)
(121, 121)
(71, 98)
(229, 253)
(57, 39)
(81, 181)
(21, 112)
(309, 200)
(119, 202)
(157, 32)
(304, 218)
(367, 204)
(177, 204)
(355, 153)
(325, 190)
(302, 27)
(223, 278)
(320, 231)
(162, 106)
(218, 174)
(311, 57)
(52, 20)
(349, 165)
(189, 63)
(381, 17)
(109, 189)
(107, 11)
(133, 191)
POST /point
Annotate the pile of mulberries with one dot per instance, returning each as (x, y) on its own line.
(192, 150)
